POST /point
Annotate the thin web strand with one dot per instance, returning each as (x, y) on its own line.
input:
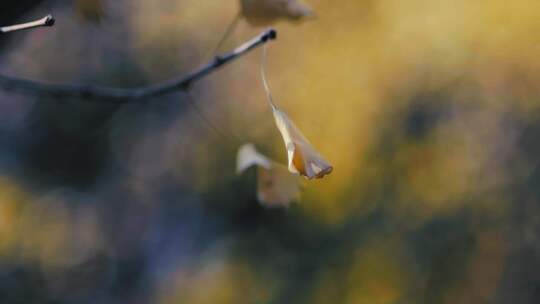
(232, 137)
(264, 80)
(228, 33)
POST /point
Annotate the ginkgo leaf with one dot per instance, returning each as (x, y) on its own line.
(249, 156)
(276, 186)
(265, 12)
(302, 156)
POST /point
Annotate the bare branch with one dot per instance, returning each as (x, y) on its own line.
(127, 95)
(45, 21)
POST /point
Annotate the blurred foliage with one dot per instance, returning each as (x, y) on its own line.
(428, 111)
(91, 10)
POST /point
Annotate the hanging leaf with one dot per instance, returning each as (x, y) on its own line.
(249, 156)
(276, 186)
(265, 12)
(302, 156)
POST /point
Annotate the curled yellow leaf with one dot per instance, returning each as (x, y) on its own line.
(302, 156)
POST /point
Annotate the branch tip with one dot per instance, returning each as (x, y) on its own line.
(49, 20)
(45, 21)
(272, 34)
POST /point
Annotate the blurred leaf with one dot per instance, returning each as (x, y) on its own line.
(90, 10)
(248, 156)
(276, 186)
(265, 12)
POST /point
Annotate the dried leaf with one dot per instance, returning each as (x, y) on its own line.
(264, 12)
(302, 156)
(249, 156)
(276, 186)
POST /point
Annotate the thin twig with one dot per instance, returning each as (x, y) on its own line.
(45, 21)
(127, 95)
